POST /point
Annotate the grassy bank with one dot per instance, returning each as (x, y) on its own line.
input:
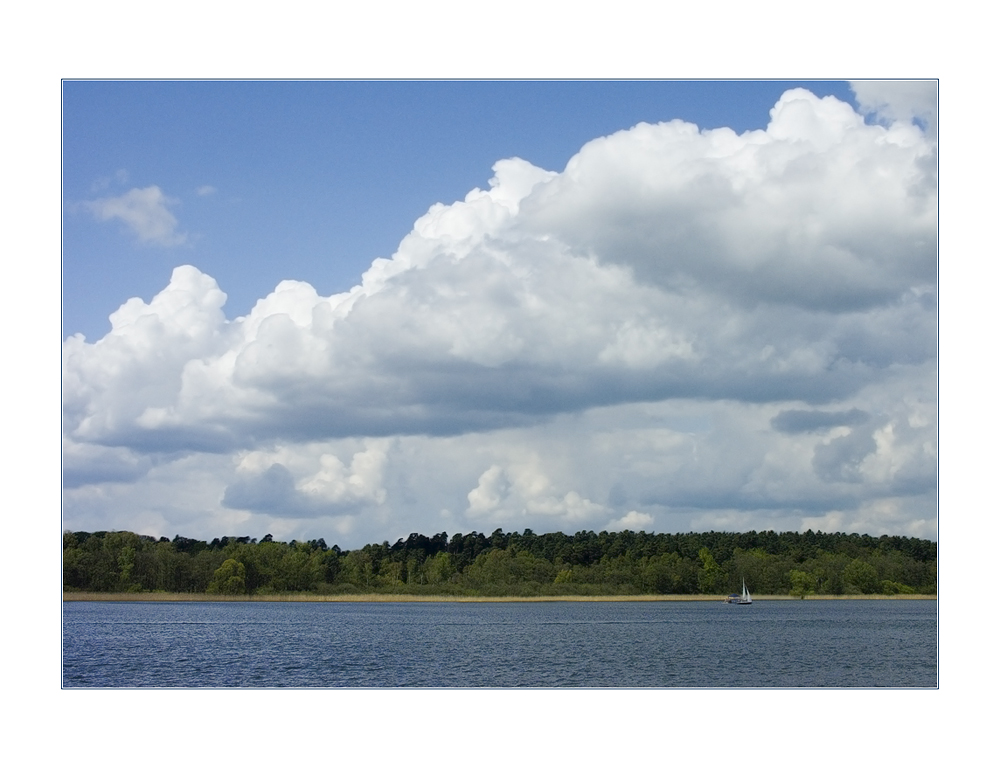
(310, 597)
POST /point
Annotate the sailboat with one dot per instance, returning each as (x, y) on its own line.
(743, 599)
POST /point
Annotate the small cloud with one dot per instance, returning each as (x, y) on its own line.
(899, 100)
(493, 487)
(633, 521)
(145, 211)
(840, 460)
(120, 177)
(206, 189)
(793, 422)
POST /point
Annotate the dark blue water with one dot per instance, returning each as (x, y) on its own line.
(849, 643)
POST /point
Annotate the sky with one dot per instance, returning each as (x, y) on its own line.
(356, 310)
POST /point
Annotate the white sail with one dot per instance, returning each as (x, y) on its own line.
(743, 599)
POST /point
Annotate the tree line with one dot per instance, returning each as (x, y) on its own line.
(507, 564)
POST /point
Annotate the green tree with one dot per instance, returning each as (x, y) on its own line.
(861, 577)
(565, 576)
(229, 579)
(300, 570)
(895, 588)
(357, 568)
(126, 565)
(803, 584)
(73, 573)
(439, 568)
(709, 575)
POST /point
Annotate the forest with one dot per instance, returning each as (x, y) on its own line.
(507, 564)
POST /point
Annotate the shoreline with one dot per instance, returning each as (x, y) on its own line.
(187, 597)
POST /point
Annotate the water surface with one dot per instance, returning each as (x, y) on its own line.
(838, 643)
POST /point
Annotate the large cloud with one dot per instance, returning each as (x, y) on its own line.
(791, 270)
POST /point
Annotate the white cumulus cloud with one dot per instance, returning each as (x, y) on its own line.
(523, 490)
(307, 481)
(633, 521)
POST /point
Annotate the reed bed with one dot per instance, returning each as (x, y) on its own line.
(309, 597)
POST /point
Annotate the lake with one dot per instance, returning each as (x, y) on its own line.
(788, 644)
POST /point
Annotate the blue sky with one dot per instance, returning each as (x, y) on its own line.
(361, 309)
